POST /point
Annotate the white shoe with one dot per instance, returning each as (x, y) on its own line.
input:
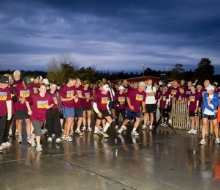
(150, 127)
(97, 130)
(191, 131)
(58, 140)
(170, 121)
(8, 144)
(49, 139)
(10, 133)
(217, 141)
(32, 142)
(195, 132)
(71, 132)
(144, 127)
(79, 132)
(84, 129)
(4, 145)
(116, 127)
(134, 132)
(1, 148)
(63, 137)
(122, 128)
(89, 129)
(68, 138)
(39, 148)
(202, 141)
(19, 139)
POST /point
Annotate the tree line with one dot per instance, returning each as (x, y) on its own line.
(62, 67)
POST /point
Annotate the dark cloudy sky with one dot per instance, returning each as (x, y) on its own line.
(111, 34)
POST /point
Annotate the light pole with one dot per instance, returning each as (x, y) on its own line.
(143, 69)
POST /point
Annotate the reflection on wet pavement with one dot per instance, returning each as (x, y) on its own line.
(155, 160)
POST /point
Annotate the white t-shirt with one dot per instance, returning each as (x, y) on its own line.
(150, 99)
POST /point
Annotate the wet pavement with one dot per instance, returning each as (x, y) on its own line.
(156, 160)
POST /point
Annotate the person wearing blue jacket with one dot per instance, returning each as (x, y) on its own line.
(209, 112)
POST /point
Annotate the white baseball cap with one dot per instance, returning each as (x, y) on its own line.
(121, 88)
(46, 81)
(210, 87)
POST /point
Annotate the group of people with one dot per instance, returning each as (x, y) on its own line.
(39, 103)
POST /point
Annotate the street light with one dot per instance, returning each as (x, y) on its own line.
(143, 69)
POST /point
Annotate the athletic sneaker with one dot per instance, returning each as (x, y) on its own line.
(32, 142)
(84, 129)
(217, 141)
(191, 131)
(105, 135)
(144, 127)
(4, 145)
(202, 141)
(19, 139)
(150, 127)
(49, 139)
(10, 133)
(134, 132)
(71, 132)
(68, 138)
(8, 144)
(195, 132)
(58, 140)
(39, 148)
(79, 132)
(97, 130)
(170, 121)
(116, 127)
(122, 128)
(1, 148)
(89, 129)
(64, 137)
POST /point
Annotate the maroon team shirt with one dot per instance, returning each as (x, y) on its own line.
(157, 96)
(136, 98)
(4, 96)
(174, 92)
(34, 88)
(55, 101)
(87, 103)
(163, 99)
(21, 92)
(182, 96)
(39, 106)
(67, 92)
(101, 100)
(78, 103)
(188, 92)
(16, 82)
(193, 99)
(217, 91)
(120, 101)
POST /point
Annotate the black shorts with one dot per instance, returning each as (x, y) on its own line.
(104, 114)
(169, 108)
(87, 109)
(19, 115)
(150, 108)
(78, 112)
(193, 114)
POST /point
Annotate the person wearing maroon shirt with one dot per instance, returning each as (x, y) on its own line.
(87, 106)
(17, 78)
(182, 95)
(5, 142)
(173, 94)
(40, 103)
(22, 92)
(34, 86)
(126, 86)
(162, 103)
(5, 107)
(101, 108)
(119, 99)
(193, 103)
(53, 114)
(135, 99)
(78, 107)
(68, 94)
(188, 89)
